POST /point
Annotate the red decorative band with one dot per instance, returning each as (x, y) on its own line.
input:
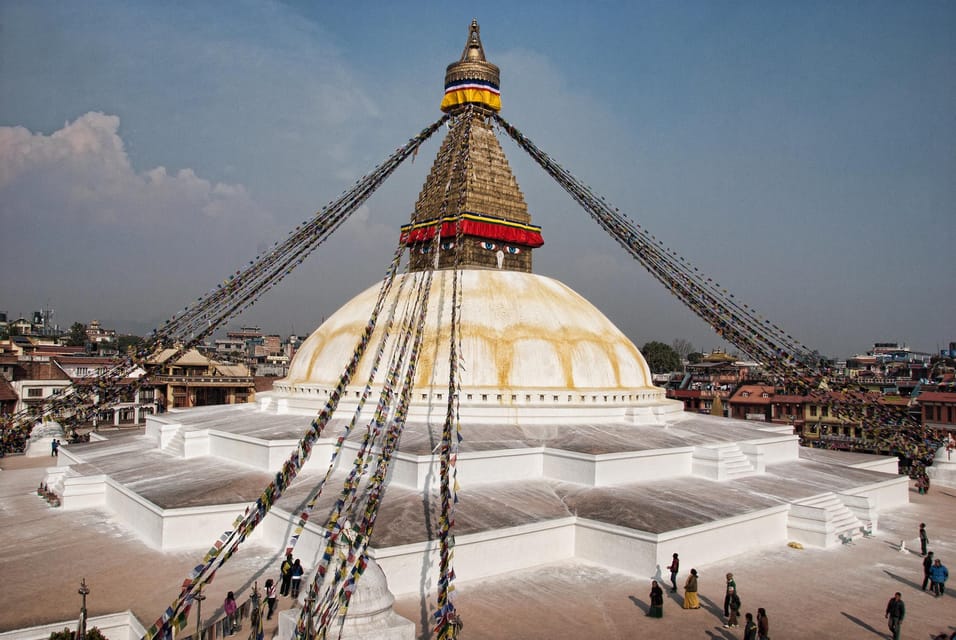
(474, 225)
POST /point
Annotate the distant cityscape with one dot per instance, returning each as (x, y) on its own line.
(38, 360)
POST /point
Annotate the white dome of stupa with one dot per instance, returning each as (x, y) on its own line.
(529, 347)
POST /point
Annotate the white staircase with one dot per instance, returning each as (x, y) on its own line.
(823, 521)
(722, 462)
(176, 446)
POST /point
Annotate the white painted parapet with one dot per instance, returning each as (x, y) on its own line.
(115, 626)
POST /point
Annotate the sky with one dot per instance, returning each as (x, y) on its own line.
(801, 154)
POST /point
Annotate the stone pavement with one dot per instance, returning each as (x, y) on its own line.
(809, 593)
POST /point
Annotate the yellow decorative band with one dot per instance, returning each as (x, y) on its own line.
(458, 96)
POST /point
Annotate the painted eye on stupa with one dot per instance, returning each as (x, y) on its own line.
(513, 250)
(447, 245)
(424, 249)
(490, 246)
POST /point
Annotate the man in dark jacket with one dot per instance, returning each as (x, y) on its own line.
(675, 565)
(895, 612)
(285, 575)
(927, 565)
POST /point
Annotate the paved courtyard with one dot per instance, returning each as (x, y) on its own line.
(809, 593)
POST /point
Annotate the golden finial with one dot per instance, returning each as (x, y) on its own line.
(472, 80)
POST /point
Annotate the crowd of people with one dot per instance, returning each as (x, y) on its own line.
(757, 627)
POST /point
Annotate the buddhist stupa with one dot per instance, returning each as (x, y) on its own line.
(534, 351)
(568, 451)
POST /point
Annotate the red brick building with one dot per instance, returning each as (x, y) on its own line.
(938, 410)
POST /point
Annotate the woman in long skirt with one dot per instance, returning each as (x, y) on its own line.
(657, 601)
(690, 591)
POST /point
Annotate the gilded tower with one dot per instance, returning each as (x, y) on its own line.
(471, 197)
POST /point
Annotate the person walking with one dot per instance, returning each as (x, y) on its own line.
(895, 612)
(731, 587)
(734, 606)
(927, 566)
(675, 565)
(923, 538)
(232, 616)
(750, 627)
(938, 574)
(690, 591)
(657, 601)
(296, 578)
(55, 448)
(271, 592)
(763, 624)
(285, 575)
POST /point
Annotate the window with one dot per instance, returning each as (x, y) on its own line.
(82, 371)
(825, 411)
(35, 392)
(813, 410)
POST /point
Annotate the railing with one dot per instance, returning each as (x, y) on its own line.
(204, 379)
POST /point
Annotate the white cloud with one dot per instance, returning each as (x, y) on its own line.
(83, 175)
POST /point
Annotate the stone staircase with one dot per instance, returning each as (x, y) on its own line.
(722, 462)
(176, 446)
(823, 521)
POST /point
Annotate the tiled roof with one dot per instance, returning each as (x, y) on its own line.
(51, 349)
(74, 360)
(38, 370)
(784, 398)
(6, 391)
(754, 394)
(936, 396)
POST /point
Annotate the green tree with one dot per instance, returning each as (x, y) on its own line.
(128, 342)
(661, 358)
(695, 357)
(77, 335)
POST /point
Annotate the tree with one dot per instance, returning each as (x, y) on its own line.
(128, 342)
(683, 348)
(660, 357)
(695, 357)
(77, 335)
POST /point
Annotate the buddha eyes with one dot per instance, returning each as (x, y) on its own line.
(447, 245)
(490, 246)
(513, 250)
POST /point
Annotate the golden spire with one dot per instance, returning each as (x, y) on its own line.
(472, 80)
(471, 197)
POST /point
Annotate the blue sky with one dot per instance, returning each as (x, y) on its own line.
(803, 154)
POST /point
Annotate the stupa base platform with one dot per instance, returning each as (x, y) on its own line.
(621, 495)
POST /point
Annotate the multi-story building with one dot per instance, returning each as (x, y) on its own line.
(193, 380)
(135, 401)
(717, 376)
(96, 334)
(938, 411)
(752, 402)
